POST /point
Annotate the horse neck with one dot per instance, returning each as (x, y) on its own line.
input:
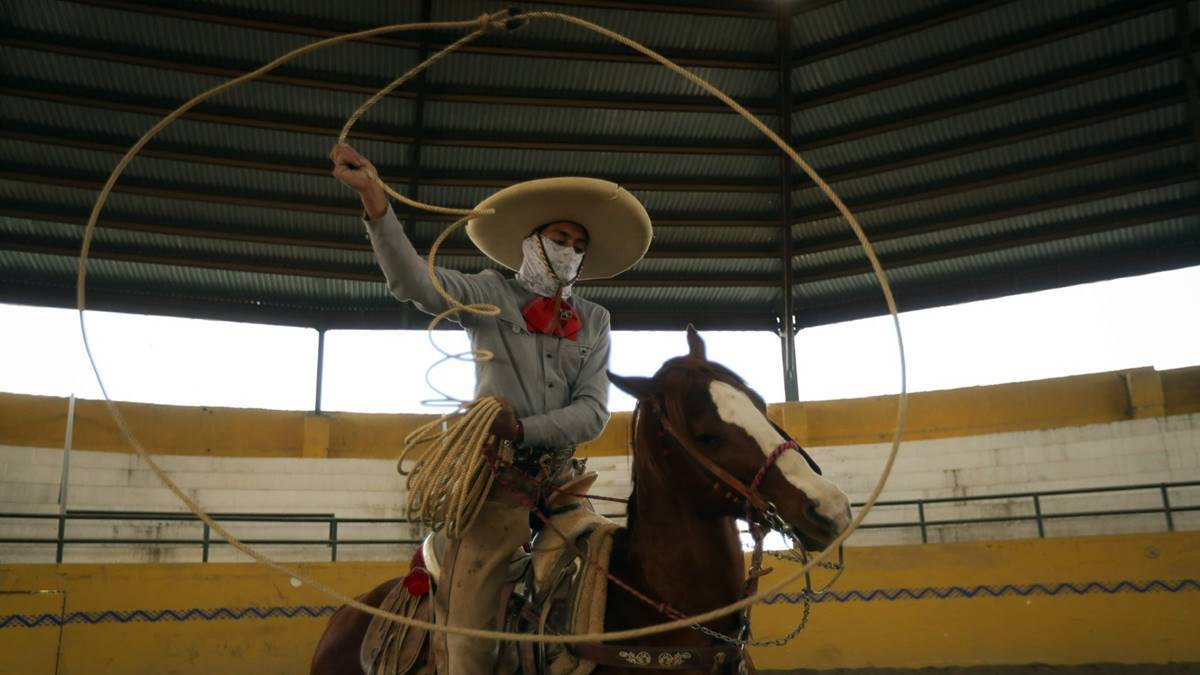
(691, 561)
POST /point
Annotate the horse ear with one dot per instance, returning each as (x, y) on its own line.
(640, 388)
(695, 344)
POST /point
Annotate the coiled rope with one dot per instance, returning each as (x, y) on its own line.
(451, 481)
(483, 24)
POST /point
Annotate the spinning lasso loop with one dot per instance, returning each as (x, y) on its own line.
(482, 24)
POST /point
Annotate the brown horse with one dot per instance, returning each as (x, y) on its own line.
(703, 452)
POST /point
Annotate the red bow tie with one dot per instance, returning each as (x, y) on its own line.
(552, 316)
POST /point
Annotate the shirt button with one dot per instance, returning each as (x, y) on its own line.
(516, 328)
(549, 356)
(551, 385)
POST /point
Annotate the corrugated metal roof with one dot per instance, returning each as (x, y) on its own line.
(989, 75)
(1025, 111)
(179, 213)
(371, 13)
(516, 73)
(716, 238)
(657, 203)
(600, 122)
(1007, 195)
(966, 34)
(531, 162)
(839, 19)
(1072, 159)
(659, 31)
(121, 128)
(1118, 134)
(202, 180)
(209, 42)
(80, 75)
(1165, 234)
(729, 266)
(1091, 213)
(664, 297)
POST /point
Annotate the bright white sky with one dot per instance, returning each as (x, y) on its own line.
(1150, 320)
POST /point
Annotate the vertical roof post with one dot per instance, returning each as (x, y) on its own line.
(787, 319)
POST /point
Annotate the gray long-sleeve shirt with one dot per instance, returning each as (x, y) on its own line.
(558, 388)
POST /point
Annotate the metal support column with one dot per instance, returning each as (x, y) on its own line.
(1037, 514)
(418, 120)
(1166, 502)
(1187, 69)
(787, 322)
(64, 482)
(320, 369)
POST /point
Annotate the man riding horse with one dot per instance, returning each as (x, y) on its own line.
(551, 357)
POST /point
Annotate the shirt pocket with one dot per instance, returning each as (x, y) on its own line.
(508, 326)
(573, 356)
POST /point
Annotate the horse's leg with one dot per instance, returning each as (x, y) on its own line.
(337, 651)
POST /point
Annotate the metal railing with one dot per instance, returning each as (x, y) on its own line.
(1039, 516)
(333, 523)
(206, 540)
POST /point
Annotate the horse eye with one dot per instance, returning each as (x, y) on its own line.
(708, 440)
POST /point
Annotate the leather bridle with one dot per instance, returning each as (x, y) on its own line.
(749, 493)
(754, 501)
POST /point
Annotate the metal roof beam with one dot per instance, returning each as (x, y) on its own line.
(553, 98)
(999, 242)
(1012, 280)
(294, 25)
(1187, 71)
(182, 153)
(787, 314)
(805, 6)
(1010, 174)
(1039, 128)
(104, 100)
(46, 213)
(105, 297)
(1174, 176)
(756, 9)
(980, 53)
(891, 30)
(367, 273)
(997, 96)
(295, 203)
(392, 315)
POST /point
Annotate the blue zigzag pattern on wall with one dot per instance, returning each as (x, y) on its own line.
(869, 595)
(160, 615)
(1019, 590)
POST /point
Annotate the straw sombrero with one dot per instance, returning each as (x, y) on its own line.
(617, 223)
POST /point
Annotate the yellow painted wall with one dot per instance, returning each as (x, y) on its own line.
(1052, 623)
(246, 646)
(1181, 390)
(1154, 617)
(39, 421)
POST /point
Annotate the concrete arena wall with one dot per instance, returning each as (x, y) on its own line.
(1126, 452)
(1083, 431)
(1117, 599)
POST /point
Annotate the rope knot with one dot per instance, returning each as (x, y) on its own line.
(511, 18)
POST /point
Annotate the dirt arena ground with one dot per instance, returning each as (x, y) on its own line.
(1090, 669)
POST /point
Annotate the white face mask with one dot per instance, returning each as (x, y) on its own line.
(536, 277)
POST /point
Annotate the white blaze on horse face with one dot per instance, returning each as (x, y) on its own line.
(735, 407)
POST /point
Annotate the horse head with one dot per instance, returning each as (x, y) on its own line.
(726, 457)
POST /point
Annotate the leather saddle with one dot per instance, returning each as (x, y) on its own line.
(560, 587)
(548, 590)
